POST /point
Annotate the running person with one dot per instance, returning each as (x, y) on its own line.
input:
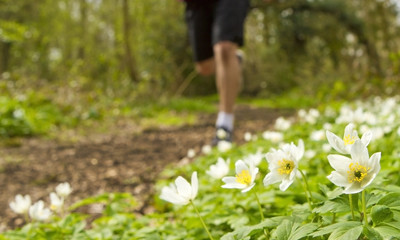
(215, 29)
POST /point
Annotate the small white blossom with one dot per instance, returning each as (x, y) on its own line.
(220, 169)
(206, 149)
(272, 136)
(63, 189)
(191, 153)
(282, 124)
(56, 202)
(350, 136)
(283, 165)
(38, 212)
(224, 146)
(244, 179)
(357, 172)
(317, 135)
(182, 192)
(255, 158)
(247, 136)
(326, 147)
(21, 204)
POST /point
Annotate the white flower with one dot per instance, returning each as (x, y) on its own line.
(63, 189)
(224, 146)
(326, 147)
(282, 124)
(220, 169)
(38, 212)
(357, 172)
(254, 159)
(247, 136)
(56, 202)
(191, 153)
(350, 136)
(244, 179)
(206, 149)
(21, 204)
(182, 192)
(283, 164)
(317, 135)
(273, 136)
(310, 154)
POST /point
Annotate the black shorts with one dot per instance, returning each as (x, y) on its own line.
(213, 21)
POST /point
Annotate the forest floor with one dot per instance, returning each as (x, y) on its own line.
(119, 161)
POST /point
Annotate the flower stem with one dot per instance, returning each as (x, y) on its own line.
(266, 232)
(351, 206)
(308, 192)
(259, 206)
(202, 222)
(364, 206)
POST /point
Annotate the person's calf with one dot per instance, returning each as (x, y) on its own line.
(206, 67)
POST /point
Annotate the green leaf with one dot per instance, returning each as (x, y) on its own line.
(389, 230)
(246, 231)
(371, 234)
(346, 233)
(336, 227)
(390, 200)
(292, 230)
(381, 213)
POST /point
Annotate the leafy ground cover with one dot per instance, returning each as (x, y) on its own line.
(310, 207)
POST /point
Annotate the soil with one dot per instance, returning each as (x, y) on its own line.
(120, 161)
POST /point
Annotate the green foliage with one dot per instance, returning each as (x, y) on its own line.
(230, 214)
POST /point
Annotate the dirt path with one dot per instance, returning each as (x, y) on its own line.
(115, 163)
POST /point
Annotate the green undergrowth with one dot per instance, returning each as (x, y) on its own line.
(43, 113)
(230, 214)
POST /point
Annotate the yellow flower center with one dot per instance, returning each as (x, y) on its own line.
(349, 140)
(243, 177)
(357, 172)
(285, 166)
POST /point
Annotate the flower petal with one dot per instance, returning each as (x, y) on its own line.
(230, 182)
(339, 163)
(240, 166)
(272, 178)
(183, 187)
(195, 185)
(353, 188)
(336, 142)
(359, 153)
(248, 188)
(366, 138)
(171, 196)
(338, 179)
(285, 184)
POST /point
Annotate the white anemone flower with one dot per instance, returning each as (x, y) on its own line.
(350, 136)
(247, 136)
(182, 192)
(273, 136)
(255, 158)
(21, 204)
(357, 172)
(224, 146)
(63, 189)
(206, 149)
(220, 169)
(38, 212)
(244, 179)
(56, 202)
(283, 165)
(282, 124)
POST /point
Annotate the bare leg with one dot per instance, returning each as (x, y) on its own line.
(228, 74)
(206, 67)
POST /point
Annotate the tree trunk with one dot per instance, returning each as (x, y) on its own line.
(129, 59)
(5, 48)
